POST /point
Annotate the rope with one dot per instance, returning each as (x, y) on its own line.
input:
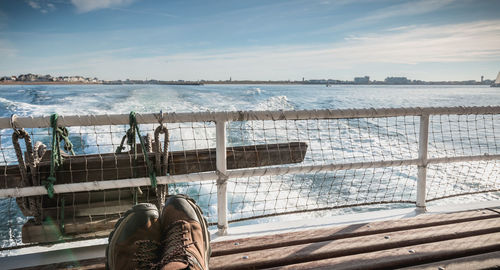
(30, 206)
(161, 168)
(56, 160)
(131, 141)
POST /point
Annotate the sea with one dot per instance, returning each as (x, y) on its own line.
(43, 100)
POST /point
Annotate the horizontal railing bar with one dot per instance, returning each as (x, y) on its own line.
(319, 168)
(462, 159)
(151, 118)
(109, 184)
(239, 173)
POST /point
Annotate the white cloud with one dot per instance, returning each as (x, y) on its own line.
(41, 5)
(408, 9)
(34, 4)
(89, 5)
(447, 44)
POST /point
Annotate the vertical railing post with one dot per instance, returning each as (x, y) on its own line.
(422, 157)
(220, 132)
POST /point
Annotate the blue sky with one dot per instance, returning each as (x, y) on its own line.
(268, 40)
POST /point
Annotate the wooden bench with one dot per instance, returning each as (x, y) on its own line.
(460, 240)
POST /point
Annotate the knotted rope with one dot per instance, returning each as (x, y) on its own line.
(131, 141)
(56, 160)
(30, 206)
(161, 160)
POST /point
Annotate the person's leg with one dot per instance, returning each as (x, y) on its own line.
(185, 236)
(134, 242)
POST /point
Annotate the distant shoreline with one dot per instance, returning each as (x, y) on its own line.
(37, 83)
(227, 83)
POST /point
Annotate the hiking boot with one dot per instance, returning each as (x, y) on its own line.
(134, 242)
(185, 237)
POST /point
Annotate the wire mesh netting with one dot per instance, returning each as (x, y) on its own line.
(255, 144)
(463, 135)
(330, 141)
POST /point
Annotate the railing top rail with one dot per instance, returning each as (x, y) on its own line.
(151, 118)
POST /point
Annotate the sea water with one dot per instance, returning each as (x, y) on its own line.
(40, 100)
(37, 100)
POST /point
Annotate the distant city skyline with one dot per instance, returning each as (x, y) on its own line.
(431, 40)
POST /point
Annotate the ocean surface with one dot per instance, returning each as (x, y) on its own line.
(36, 100)
(40, 100)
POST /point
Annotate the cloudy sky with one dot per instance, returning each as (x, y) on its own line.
(252, 39)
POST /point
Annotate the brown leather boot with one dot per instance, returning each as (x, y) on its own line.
(186, 241)
(134, 242)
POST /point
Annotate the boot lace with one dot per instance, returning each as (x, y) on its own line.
(175, 245)
(146, 254)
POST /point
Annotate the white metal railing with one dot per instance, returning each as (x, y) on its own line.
(222, 174)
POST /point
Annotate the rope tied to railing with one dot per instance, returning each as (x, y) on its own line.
(161, 158)
(56, 159)
(29, 206)
(131, 141)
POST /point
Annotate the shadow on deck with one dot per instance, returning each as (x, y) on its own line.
(460, 240)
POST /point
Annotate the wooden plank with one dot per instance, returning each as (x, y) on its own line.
(362, 244)
(123, 194)
(111, 166)
(489, 260)
(81, 228)
(95, 209)
(353, 230)
(90, 264)
(405, 256)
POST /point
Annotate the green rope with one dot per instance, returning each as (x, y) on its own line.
(56, 160)
(134, 128)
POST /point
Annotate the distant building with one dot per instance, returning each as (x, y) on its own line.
(318, 81)
(482, 79)
(27, 77)
(362, 80)
(397, 80)
(8, 78)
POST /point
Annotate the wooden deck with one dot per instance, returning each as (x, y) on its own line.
(460, 240)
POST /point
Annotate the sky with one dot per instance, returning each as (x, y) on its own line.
(429, 40)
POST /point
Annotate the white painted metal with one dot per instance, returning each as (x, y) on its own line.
(123, 119)
(423, 142)
(319, 168)
(462, 159)
(103, 185)
(221, 163)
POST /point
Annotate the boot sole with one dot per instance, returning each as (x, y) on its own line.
(142, 207)
(203, 222)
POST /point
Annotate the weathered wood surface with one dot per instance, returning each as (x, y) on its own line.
(335, 251)
(350, 231)
(489, 260)
(111, 166)
(462, 240)
(406, 256)
(82, 228)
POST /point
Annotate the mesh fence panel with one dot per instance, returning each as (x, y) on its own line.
(330, 141)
